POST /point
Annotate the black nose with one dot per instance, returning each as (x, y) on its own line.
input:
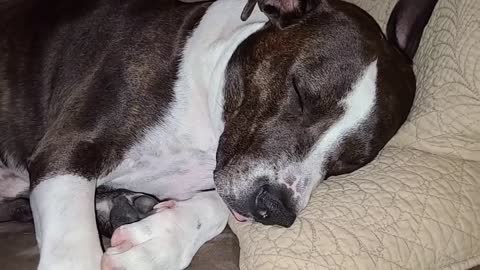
(271, 208)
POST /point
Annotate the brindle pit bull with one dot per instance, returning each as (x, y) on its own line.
(155, 103)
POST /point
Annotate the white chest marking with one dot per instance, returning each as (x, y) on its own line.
(177, 157)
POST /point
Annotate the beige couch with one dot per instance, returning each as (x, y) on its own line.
(417, 206)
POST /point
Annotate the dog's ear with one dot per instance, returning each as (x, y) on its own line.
(407, 22)
(281, 13)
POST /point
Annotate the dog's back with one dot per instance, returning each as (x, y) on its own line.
(55, 52)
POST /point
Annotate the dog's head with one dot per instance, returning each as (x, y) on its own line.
(287, 90)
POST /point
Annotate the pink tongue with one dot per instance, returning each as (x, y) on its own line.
(239, 217)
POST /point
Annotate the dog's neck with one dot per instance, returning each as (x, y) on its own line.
(199, 88)
(190, 131)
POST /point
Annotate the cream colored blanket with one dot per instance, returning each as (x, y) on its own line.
(417, 206)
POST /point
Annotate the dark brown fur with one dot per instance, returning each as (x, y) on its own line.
(82, 80)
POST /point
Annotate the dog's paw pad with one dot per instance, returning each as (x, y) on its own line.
(145, 203)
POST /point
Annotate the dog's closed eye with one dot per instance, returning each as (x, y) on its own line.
(299, 94)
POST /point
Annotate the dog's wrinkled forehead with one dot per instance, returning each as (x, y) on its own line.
(277, 99)
(282, 92)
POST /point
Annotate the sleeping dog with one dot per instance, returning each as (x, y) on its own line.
(166, 117)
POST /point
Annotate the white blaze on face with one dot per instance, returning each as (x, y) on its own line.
(357, 105)
(303, 176)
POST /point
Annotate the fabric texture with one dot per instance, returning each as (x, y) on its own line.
(417, 206)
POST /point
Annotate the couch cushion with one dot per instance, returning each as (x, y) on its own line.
(417, 206)
(445, 118)
(446, 115)
(407, 210)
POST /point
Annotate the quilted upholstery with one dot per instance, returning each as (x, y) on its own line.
(417, 206)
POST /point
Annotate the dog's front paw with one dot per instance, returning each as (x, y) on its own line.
(120, 206)
(152, 243)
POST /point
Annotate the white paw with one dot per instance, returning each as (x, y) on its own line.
(152, 243)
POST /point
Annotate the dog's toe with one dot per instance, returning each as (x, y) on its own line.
(129, 208)
(119, 207)
(145, 203)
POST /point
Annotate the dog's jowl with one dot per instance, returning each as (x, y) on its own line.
(137, 110)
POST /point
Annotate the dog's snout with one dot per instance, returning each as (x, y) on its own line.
(271, 208)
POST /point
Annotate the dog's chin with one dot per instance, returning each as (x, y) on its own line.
(239, 217)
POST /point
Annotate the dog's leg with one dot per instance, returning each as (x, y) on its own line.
(63, 211)
(63, 176)
(169, 238)
(64, 169)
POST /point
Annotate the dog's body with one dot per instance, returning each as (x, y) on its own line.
(173, 99)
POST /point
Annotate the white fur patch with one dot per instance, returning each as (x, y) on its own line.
(358, 105)
(177, 157)
(64, 213)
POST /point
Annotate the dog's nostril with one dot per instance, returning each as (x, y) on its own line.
(260, 206)
(270, 209)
